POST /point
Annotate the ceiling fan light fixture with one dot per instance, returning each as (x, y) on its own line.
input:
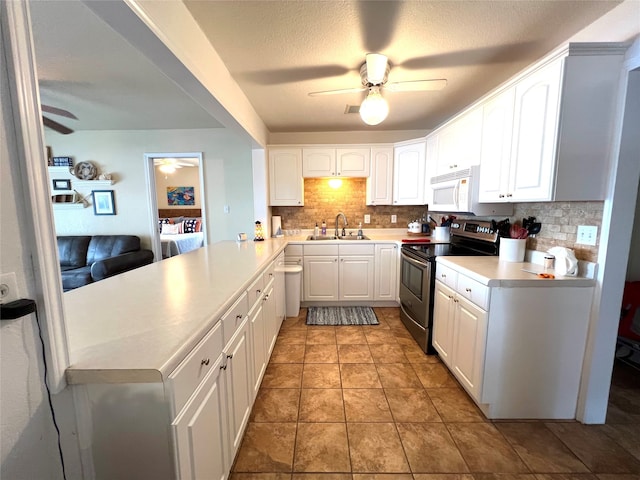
(167, 169)
(374, 108)
(376, 68)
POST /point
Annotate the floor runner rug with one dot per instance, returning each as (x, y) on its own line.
(341, 316)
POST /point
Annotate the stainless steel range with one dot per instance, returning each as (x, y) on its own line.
(418, 269)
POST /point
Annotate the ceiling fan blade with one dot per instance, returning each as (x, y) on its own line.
(378, 21)
(377, 68)
(58, 111)
(416, 85)
(337, 92)
(53, 125)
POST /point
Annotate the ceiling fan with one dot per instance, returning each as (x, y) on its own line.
(170, 165)
(374, 74)
(52, 124)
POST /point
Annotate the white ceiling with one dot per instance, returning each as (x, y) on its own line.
(279, 51)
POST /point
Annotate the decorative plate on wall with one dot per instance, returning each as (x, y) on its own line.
(85, 171)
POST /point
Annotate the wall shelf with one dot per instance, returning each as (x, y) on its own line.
(68, 206)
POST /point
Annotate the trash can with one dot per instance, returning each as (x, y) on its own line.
(292, 280)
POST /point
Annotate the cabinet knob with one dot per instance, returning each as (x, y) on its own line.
(455, 300)
(443, 275)
(509, 194)
(501, 195)
(468, 290)
(204, 361)
(258, 291)
(223, 367)
(450, 296)
(238, 317)
(230, 356)
(266, 297)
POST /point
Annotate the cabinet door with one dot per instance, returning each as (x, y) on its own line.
(258, 345)
(201, 432)
(286, 187)
(318, 162)
(353, 162)
(272, 325)
(408, 174)
(380, 182)
(443, 321)
(356, 278)
(386, 272)
(239, 385)
(431, 167)
(320, 278)
(279, 291)
(495, 155)
(469, 344)
(537, 104)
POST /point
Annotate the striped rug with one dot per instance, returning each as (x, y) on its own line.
(341, 316)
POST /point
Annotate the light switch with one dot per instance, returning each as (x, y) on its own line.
(394, 219)
(587, 234)
(367, 218)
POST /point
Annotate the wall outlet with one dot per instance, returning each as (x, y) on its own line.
(587, 234)
(8, 287)
(394, 219)
(367, 218)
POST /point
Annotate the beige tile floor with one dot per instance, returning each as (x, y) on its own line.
(364, 403)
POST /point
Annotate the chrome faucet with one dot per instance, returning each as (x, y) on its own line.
(345, 223)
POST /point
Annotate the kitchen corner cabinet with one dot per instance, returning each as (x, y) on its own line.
(335, 162)
(409, 173)
(516, 350)
(546, 137)
(380, 181)
(286, 185)
(458, 143)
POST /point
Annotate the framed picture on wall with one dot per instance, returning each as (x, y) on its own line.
(181, 196)
(61, 184)
(103, 202)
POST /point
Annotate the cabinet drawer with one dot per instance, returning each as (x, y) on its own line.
(184, 380)
(269, 274)
(321, 249)
(446, 275)
(254, 292)
(293, 250)
(234, 317)
(357, 249)
(473, 291)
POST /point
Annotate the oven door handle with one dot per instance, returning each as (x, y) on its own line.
(415, 262)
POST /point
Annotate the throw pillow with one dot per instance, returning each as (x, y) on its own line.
(161, 222)
(190, 225)
(171, 229)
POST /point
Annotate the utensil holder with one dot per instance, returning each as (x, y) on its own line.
(441, 234)
(512, 249)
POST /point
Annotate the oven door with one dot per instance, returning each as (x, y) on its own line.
(415, 275)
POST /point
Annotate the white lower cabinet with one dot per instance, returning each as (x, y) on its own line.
(339, 273)
(386, 272)
(201, 431)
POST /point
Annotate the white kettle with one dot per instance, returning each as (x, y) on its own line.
(566, 263)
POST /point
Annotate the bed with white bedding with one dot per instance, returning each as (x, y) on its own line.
(178, 243)
(182, 233)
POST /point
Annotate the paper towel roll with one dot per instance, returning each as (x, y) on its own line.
(276, 226)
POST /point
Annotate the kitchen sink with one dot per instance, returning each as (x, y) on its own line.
(333, 237)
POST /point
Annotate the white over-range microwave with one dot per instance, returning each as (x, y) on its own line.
(457, 192)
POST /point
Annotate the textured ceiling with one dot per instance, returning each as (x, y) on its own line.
(84, 67)
(279, 51)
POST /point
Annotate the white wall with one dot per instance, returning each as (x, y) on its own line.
(226, 167)
(27, 448)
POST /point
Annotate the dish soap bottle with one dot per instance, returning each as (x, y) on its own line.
(360, 235)
(324, 227)
(316, 230)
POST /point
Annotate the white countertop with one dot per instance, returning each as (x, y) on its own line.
(492, 272)
(138, 326)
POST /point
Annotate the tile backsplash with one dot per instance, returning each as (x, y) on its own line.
(559, 220)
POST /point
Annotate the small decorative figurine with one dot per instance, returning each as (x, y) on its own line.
(258, 234)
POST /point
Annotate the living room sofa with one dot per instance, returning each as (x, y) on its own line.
(85, 259)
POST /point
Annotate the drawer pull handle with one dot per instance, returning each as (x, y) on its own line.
(238, 317)
(230, 356)
(455, 300)
(468, 290)
(204, 361)
(258, 291)
(223, 367)
(443, 275)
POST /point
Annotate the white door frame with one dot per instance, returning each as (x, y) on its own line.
(150, 175)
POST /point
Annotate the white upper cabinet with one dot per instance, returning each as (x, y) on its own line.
(318, 162)
(546, 137)
(408, 173)
(286, 185)
(335, 162)
(458, 143)
(353, 162)
(495, 155)
(380, 180)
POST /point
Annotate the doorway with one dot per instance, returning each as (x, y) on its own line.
(175, 188)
